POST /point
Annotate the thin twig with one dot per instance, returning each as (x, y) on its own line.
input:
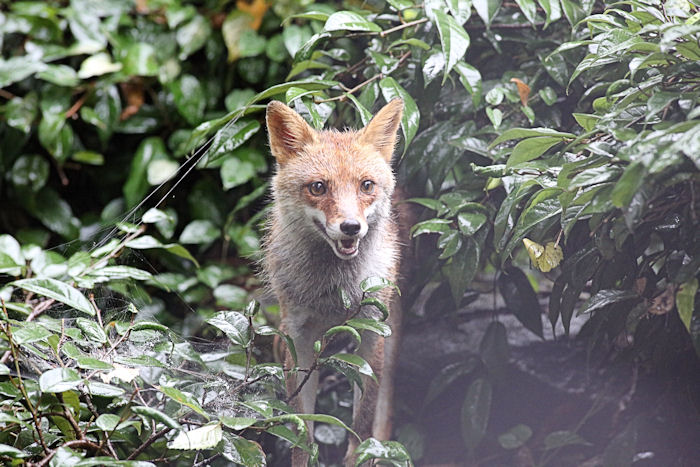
(152, 439)
(13, 348)
(36, 312)
(78, 104)
(343, 96)
(402, 26)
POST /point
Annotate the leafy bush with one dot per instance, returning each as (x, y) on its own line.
(558, 133)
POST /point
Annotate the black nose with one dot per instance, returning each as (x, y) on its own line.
(350, 227)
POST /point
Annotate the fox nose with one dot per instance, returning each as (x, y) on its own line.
(350, 227)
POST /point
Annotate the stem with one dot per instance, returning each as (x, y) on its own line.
(402, 26)
(342, 97)
(38, 310)
(153, 438)
(13, 349)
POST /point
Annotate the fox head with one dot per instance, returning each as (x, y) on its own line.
(337, 183)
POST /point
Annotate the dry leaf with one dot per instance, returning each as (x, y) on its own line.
(523, 90)
(256, 8)
(134, 94)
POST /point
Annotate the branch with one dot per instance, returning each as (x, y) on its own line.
(154, 437)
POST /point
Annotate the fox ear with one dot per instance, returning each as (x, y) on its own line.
(288, 132)
(380, 132)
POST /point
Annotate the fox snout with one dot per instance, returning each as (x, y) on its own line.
(350, 227)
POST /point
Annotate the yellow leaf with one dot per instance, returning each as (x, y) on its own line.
(551, 258)
(545, 258)
(523, 90)
(534, 250)
(256, 9)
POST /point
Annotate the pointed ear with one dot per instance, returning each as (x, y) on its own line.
(380, 132)
(287, 130)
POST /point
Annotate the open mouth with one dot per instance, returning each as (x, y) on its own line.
(347, 247)
(344, 248)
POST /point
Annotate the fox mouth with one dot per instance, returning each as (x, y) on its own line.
(344, 248)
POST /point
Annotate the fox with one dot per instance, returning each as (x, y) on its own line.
(331, 225)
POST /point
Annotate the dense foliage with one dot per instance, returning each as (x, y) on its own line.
(550, 141)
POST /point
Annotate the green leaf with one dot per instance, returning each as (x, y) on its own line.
(487, 9)
(199, 231)
(411, 115)
(136, 186)
(494, 352)
(587, 121)
(435, 225)
(237, 423)
(367, 324)
(375, 284)
(531, 148)
(30, 332)
(18, 68)
(551, 9)
(59, 380)
(192, 35)
(140, 58)
(57, 290)
(97, 65)
(378, 304)
(183, 398)
(462, 268)
(107, 422)
(629, 183)
(495, 116)
(685, 301)
(543, 206)
(235, 325)
(385, 450)
(245, 452)
(156, 415)
(349, 21)
(92, 330)
(470, 222)
(558, 439)
(61, 75)
(517, 133)
(20, 112)
(515, 437)
(476, 411)
(89, 363)
(356, 361)
(235, 172)
(606, 297)
(146, 242)
(205, 437)
(189, 98)
(529, 9)
(470, 78)
(338, 329)
(454, 40)
(231, 137)
(521, 299)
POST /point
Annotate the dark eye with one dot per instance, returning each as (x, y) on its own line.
(367, 186)
(317, 188)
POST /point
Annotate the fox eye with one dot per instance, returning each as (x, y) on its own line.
(317, 188)
(367, 186)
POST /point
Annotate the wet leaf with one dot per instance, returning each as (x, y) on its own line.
(349, 21)
(59, 291)
(454, 40)
(205, 437)
(476, 411)
(59, 380)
